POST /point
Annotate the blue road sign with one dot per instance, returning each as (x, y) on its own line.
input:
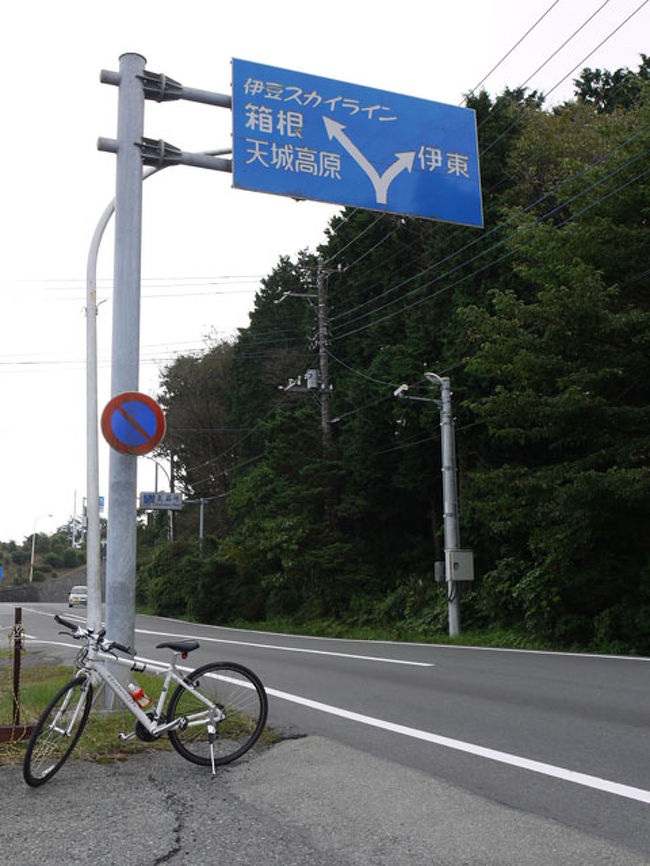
(316, 138)
(172, 501)
(133, 423)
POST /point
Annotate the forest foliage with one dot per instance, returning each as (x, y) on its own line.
(542, 322)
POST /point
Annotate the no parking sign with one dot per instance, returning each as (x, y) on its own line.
(133, 423)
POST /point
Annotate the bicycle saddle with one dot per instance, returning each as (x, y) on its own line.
(180, 646)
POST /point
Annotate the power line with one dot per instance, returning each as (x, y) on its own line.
(566, 42)
(516, 45)
(484, 236)
(501, 243)
(564, 77)
(539, 68)
(359, 373)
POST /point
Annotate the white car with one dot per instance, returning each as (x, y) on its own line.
(78, 596)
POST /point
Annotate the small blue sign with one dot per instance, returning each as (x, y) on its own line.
(172, 501)
(316, 138)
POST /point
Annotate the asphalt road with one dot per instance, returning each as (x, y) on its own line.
(479, 756)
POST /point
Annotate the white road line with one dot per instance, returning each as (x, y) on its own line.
(287, 648)
(437, 646)
(595, 782)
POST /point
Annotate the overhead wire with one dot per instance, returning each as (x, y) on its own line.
(550, 90)
(485, 77)
(516, 45)
(503, 257)
(547, 93)
(488, 234)
(539, 68)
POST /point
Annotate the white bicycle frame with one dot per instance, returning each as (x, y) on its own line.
(91, 663)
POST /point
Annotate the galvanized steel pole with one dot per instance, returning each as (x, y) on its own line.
(125, 357)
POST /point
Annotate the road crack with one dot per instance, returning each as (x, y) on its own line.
(178, 808)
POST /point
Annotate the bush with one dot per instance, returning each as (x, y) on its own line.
(54, 560)
(71, 558)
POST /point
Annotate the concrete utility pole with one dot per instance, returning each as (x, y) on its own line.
(449, 496)
(322, 383)
(323, 359)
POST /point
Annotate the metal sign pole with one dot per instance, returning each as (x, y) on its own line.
(125, 353)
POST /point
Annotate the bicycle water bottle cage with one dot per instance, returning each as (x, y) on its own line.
(180, 646)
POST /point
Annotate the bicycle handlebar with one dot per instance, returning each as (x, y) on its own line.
(80, 632)
(124, 649)
(65, 622)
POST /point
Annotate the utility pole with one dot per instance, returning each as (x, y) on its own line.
(323, 359)
(322, 381)
(449, 496)
(458, 563)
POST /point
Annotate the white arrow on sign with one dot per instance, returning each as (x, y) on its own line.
(380, 182)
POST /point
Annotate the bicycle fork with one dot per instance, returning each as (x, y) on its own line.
(60, 717)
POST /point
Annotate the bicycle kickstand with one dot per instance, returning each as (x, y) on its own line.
(211, 734)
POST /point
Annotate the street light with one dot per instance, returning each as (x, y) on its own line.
(449, 494)
(170, 513)
(31, 561)
(453, 554)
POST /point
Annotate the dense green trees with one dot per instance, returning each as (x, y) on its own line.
(542, 322)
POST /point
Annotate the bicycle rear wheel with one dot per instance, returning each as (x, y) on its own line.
(57, 731)
(224, 720)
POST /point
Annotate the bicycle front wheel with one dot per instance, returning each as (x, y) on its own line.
(57, 731)
(224, 708)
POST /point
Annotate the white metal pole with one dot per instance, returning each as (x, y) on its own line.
(31, 561)
(93, 548)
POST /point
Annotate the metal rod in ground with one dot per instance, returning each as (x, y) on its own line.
(17, 642)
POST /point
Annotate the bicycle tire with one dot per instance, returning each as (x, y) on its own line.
(238, 693)
(57, 731)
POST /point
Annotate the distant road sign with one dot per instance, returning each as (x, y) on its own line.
(133, 423)
(172, 501)
(316, 138)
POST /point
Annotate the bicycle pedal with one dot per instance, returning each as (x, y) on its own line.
(126, 738)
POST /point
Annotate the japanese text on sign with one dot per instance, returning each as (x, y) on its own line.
(312, 137)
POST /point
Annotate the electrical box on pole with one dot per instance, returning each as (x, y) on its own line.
(459, 565)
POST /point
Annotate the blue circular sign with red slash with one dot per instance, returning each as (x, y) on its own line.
(133, 423)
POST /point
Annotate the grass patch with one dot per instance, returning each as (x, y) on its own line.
(400, 632)
(100, 739)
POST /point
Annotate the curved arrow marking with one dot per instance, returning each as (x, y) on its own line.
(380, 182)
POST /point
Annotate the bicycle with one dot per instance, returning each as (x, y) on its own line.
(215, 714)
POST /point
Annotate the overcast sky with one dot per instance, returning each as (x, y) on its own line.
(205, 245)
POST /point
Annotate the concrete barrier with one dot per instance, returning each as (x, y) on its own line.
(56, 589)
